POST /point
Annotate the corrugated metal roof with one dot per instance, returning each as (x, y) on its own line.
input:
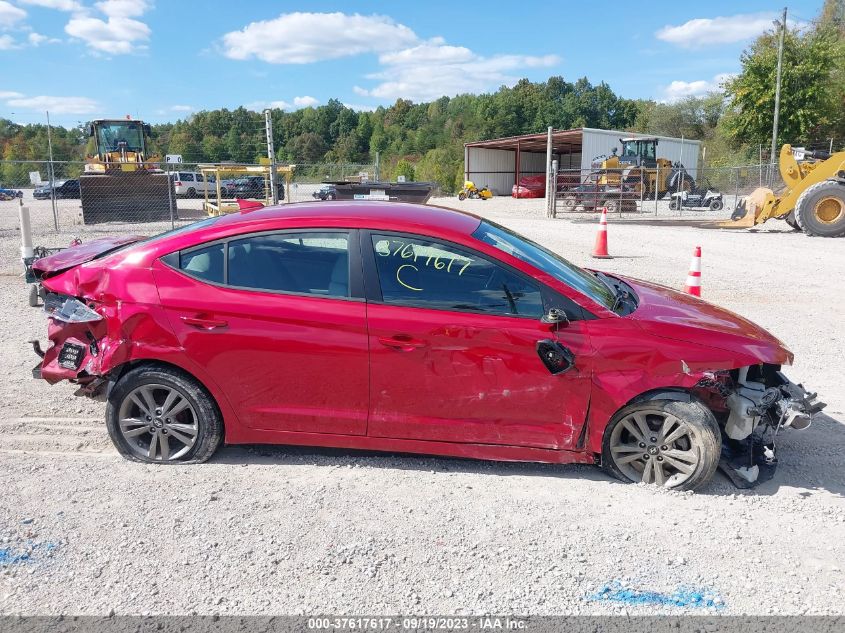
(562, 140)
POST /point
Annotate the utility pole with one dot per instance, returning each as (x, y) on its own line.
(772, 158)
(51, 173)
(271, 154)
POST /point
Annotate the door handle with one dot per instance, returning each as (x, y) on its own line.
(204, 323)
(401, 342)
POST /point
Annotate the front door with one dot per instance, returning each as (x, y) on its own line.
(271, 317)
(453, 340)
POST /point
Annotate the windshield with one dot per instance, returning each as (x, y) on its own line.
(547, 261)
(110, 136)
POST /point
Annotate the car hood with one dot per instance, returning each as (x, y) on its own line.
(76, 255)
(676, 315)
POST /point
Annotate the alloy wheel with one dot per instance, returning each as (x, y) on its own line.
(653, 446)
(158, 422)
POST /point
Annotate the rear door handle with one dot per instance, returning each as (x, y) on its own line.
(401, 342)
(204, 323)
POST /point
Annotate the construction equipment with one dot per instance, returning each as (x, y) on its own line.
(472, 192)
(121, 180)
(639, 168)
(813, 200)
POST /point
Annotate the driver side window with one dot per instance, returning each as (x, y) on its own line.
(422, 273)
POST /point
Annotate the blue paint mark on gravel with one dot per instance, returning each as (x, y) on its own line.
(682, 597)
(24, 555)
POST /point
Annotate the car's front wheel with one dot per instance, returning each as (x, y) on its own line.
(161, 415)
(672, 444)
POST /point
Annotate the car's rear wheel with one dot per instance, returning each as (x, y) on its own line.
(664, 442)
(161, 415)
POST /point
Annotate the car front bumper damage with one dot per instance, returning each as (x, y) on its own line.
(753, 405)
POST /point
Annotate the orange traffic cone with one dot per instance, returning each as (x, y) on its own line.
(693, 286)
(600, 249)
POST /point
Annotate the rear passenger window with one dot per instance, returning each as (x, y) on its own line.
(186, 177)
(303, 263)
(203, 263)
(199, 177)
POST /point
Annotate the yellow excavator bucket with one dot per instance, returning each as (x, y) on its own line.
(750, 208)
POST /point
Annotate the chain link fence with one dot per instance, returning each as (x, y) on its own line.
(61, 197)
(669, 192)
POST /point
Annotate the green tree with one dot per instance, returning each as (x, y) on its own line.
(404, 168)
(808, 105)
(307, 148)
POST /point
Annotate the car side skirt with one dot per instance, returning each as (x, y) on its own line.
(490, 452)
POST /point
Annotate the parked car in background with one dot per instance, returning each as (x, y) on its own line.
(252, 187)
(62, 188)
(326, 192)
(191, 184)
(408, 328)
(10, 194)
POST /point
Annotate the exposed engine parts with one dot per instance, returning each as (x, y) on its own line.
(758, 402)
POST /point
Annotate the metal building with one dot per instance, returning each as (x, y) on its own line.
(500, 163)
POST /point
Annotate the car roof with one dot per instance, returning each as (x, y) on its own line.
(361, 213)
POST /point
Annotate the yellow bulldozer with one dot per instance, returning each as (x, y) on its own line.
(121, 180)
(813, 200)
(638, 167)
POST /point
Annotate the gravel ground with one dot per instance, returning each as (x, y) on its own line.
(281, 530)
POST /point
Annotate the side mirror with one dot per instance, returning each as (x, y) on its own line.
(555, 317)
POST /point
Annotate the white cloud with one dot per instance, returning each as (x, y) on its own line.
(305, 102)
(9, 14)
(9, 95)
(181, 108)
(37, 39)
(298, 104)
(60, 5)
(119, 33)
(123, 8)
(118, 36)
(360, 108)
(7, 43)
(702, 32)
(434, 69)
(57, 105)
(679, 89)
(302, 38)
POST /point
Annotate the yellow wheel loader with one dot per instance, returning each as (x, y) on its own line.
(813, 200)
(121, 181)
(639, 167)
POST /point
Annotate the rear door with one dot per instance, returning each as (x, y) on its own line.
(454, 349)
(279, 323)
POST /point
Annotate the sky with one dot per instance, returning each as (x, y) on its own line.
(163, 60)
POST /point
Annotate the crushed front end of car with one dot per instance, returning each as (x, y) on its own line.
(753, 405)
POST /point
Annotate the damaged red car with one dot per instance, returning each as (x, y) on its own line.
(406, 328)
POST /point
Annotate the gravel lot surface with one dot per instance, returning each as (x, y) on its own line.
(265, 530)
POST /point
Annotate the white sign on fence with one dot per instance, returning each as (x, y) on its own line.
(35, 177)
(173, 159)
(400, 178)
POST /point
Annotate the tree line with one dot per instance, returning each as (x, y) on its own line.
(424, 141)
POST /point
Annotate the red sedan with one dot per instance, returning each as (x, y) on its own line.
(408, 328)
